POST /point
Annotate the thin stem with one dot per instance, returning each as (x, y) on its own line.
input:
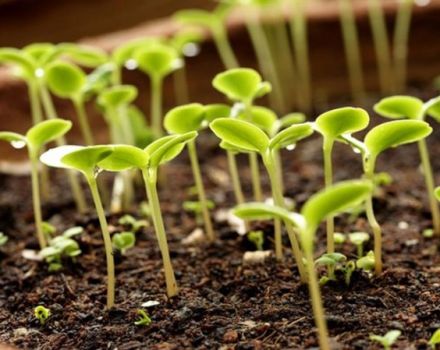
(279, 169)
(318, 309)
(200, 189)
(401, 33)
(328, 175)
(236, 183)
(156, 106)
(429, 182)
(36, 200)
(224, 47)
(107, 241)
(382, 47)
(352, 50)
(83, 122)
(255, 174)
(181, 86)
(150, 178)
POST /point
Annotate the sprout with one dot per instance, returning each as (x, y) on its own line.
(3, 239)
(35, 139)
(131, 223)
(196, 207)
(435, 339)
(359, 239)
(124, 241)
(143, 320)
(257, 238)
(42, 314)
(339, 238)
(331, 261)
(246, 137)
(397, 107)
(185, 119)
(386, 340)
(330, 201)
(367, 262)
(85, 160)
(331, 125)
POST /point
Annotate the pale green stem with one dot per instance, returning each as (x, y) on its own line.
(255, 173)
(180, 86)
(107, 241)
(279, 169)
(73, 178)
(224, 47)
(352, 50)
(83, 122)
(36, 199)
(298, 28)
(200, 189)
(429, 182)
(328, 175)
(236, 183)
(318, 309)
(116, 75)
(382, 47)
(150, 178)
(156, 106)
(401, 33)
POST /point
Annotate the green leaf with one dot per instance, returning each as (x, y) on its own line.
(291, 119)
(167, 148)
(341, 121)
(39, 52)
(437, 193)
(260, 211)
(397, 107)
(262, 117)
(185, 37)
(157, 60)
(330, 201)
(434, 108)
(185, 118)
(126, 51)
(17, 58)
(123, 241)
(124, 157)
(143, 135)
(388, 339)
(84, 55)
(216, 110)
(65, 79)
(240, 84)
(291, 135)
(395, 133)
(16, 140)
(435, 339)
(195, 17)
(98, 80)
(116, 96)
(241, 134)
(358, 238)
(47, 131)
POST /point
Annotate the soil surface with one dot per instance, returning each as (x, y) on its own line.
(223, 303)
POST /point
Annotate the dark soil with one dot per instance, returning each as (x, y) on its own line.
(223, 304)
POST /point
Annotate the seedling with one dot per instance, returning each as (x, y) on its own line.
(3, 239)
(386, 340)
(257, 238)
(157, 61)
(359, 239)
(42, 314)
(398, 107)
(246, 137)
(143, 320)
(367, 262)
(244, 85)
(131, 223)
(435, 339)
(197, 208)
(124, 241)
(85, 160)
(331, 125)
(148, 161)
(339, 238)
(35, 139)
(332, 200)
(331, 261)
(185, 119)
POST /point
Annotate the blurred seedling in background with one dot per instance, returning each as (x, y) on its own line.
(132, 224)
(386, 340)
(3, 239)
(367, 262)
(123, 241)
(359, 239)
(256, 238)
(435, 339)
(331, 261)
(42, 314)
(196, 208)
(339, 238)
(144, 319)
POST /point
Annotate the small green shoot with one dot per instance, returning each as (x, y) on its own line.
(367, 262)
(132, 223)
(435, 339)
(257, 238)
(144, 319)
(359, 239)
(42, 314)
(3, 239)
(123, 241)
(339, 238)
(386, 340)
(331, 261)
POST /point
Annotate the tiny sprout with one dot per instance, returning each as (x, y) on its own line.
(331, 260)
(124, 241)
(197, 208)
(48, 229)
(143, 320)
(3, 239)
(359, 239)
(339, 238)
(133, 224)
(386, 340)
(257, 238)
(428, 233)
(42, 314)
(367, 262)
(348, 270)
(435, 339)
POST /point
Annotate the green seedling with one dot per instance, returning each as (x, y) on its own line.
(246, 137)
(148, 161)
(61, 246)
(244, 85)
(157, 61)
(3, 239)
(399, 107)
(143, 320)
(42, 314)
(348, 269)
(48, 229)
(85, 160)
(131, 223)
(257, 239)
(386, 340)
(359, 239)
(331, 125)
(196, 207)
(185, 119)
(214, 21)
(435, 339)
(330, 201)
(35, 139)
(123, 241)
(331, 261)
(339, 238)
(379, 139)
(367, 262)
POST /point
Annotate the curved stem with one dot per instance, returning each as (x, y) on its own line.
(328, 175)
(150, 177)
(200, 189)
(224, 47)
(377, 232)
(36, 200)
(156, 106)
(429, 182)
(255, 174)
(83, 122)
(107, 241)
